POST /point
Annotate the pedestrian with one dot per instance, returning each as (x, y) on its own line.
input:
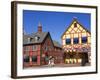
(51, 61)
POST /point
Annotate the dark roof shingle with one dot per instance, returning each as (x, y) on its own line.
(57, 44)
(41, 36)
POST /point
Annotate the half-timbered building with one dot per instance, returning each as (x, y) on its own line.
(76, 42)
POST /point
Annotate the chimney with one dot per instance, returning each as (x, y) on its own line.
(39, 27)
(75, 24)
(75, 18)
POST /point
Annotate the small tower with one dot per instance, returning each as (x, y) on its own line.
(39, 27)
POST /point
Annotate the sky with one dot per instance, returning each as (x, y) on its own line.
(54, 22)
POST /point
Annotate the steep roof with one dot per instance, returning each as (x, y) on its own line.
(41, 36)
(57, 44)
(72, 23)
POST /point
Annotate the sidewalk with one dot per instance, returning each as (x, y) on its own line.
(59, 65)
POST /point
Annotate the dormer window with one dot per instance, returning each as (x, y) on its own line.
(29, 40)
(37, 38)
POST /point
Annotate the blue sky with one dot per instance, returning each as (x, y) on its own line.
(54, 22)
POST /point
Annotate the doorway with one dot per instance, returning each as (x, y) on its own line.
(84, 58)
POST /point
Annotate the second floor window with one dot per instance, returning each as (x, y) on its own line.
(76, 40)
(84, 39)
(68, 41)
(26, 48)
(34, 47)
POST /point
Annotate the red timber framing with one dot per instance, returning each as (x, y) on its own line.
(32, 53)
(43, 51)
(57, 54)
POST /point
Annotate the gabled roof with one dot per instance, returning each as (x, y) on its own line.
(72, 23)
(57, 44)
(41, 37)
(25, 38)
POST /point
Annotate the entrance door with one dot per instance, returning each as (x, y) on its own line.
(84, 58)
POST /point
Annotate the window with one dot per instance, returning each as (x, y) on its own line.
(26, 58)
(84, 39)
(37, 38)
(26, 48)
(76, 40)
(75, 25)
(34, 58)
(34, 47)
(46, 48)
(50, 48)
(68, 41)
(29, 40)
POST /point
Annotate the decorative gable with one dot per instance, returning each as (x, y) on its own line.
(47, 43)
(75, 27)
(75, 32)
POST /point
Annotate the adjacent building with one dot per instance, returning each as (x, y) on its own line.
(76, 43)
(38, 47)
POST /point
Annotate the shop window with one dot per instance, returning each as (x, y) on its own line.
(34, 58)
(68, 41)
(26, 59)
(84, 39)
(76, 40)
